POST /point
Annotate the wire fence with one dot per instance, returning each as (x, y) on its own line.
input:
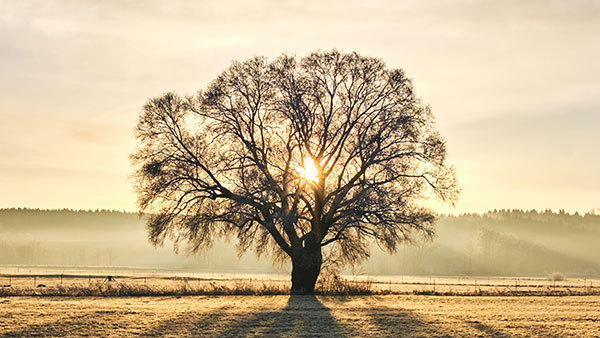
(33, 279)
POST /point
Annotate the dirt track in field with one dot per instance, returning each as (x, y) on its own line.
(302, 316)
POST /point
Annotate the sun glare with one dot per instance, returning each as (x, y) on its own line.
(309, 170)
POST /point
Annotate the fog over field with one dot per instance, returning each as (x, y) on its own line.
(497, 243)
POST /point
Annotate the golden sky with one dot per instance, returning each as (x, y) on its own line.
(515, 86)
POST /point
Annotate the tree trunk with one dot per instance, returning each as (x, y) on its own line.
(306, 267)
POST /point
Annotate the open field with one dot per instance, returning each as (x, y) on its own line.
(298, 316)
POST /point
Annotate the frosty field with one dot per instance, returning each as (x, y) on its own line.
(301, 316)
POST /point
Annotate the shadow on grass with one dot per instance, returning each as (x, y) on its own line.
(303, 316)
(190, 324)
(399, 322)
(487, 330)
(89, 324)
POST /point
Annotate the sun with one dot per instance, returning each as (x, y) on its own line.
(309, 170)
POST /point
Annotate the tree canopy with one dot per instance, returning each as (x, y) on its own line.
(325, 153)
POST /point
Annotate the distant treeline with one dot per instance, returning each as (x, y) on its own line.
(23, 219)
(499, 242)
(509, 242)
(547, 216)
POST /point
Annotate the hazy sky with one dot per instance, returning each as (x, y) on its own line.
(515, 86)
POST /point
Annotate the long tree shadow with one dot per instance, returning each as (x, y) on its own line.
(399, 322)
(488, 330)
(124, 322)
(44, 329)
(94, 323)
(190, 323)
(303, 316)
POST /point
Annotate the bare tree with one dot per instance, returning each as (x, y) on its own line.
(295, 156)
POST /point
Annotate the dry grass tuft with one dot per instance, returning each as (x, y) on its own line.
(505, 292)
(114, 289)
(328, 284)
(333, 284)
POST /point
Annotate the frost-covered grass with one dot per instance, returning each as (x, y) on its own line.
(301, 316)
